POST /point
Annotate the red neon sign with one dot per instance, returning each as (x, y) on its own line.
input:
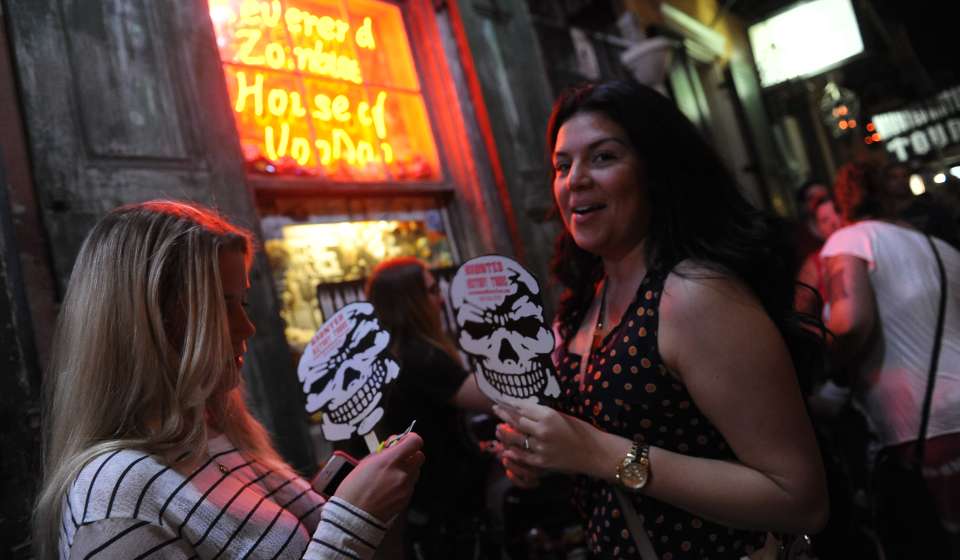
(325, 88)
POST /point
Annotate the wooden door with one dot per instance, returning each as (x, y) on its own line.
(124, 101)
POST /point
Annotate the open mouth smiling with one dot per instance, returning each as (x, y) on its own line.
(587, 209)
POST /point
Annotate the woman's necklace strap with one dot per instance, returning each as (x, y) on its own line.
(598, 329)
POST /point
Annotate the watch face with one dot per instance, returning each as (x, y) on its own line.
(634, 476)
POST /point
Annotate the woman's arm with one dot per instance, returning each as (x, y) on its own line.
(853, 307)
(382, 483)
(731, 357)
(469, 397)
(355, 520)
(345, 531)
(805, 295)
(128, 538)
(715, 335)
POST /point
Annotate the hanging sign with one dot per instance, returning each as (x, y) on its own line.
(921, 129)
(499, 312)
(325, 88)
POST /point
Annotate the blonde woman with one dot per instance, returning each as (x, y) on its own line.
(150, 448)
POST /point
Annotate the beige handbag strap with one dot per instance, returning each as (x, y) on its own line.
(635, 526)
(771, 550)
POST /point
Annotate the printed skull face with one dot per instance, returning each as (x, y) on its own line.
(505, 333)
(346, 373)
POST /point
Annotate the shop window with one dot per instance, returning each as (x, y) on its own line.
(335, 243)
(325, 90)
(333, 124)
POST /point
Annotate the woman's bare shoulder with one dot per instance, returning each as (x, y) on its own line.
(693, 287)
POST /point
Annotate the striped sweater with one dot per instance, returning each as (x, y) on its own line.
(127, 504)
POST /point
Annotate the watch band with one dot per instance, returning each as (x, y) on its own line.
(630, 457)
(631, 454)
(644, 455)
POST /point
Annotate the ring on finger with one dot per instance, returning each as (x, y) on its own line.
(526, 443)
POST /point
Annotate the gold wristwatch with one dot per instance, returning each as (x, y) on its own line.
(633, 472)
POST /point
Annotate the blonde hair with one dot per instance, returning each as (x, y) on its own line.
(143, 329)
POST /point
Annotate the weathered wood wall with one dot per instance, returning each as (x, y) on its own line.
(124, 101)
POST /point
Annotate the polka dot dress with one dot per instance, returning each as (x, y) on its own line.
(628, 391)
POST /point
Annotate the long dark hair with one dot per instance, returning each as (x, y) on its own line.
(399, 295)
(698, 212)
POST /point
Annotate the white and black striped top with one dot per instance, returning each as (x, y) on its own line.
(127, 504)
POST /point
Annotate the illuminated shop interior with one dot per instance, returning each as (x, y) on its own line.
(305, 254)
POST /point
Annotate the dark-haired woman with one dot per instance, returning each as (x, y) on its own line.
(432, 388)
(680, 411)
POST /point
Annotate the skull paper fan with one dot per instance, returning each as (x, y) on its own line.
(344, 370)
(499, 312)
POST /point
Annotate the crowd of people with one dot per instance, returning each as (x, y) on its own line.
(888, 279)
(704, 352)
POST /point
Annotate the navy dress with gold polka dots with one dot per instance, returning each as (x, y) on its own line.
(628, 391)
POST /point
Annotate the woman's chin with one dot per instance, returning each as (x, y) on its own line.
(606, 246)
(589, 243)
